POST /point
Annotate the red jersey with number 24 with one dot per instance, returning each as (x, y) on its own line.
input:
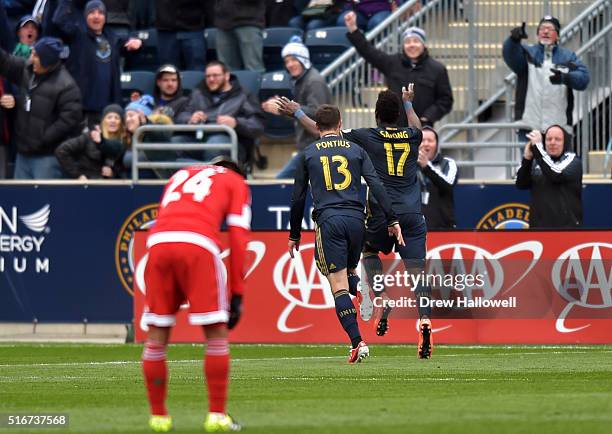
(197, 200)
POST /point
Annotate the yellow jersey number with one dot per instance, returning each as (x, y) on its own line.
(342, 169)
(389, 147)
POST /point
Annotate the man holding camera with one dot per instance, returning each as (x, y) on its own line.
(547, 74)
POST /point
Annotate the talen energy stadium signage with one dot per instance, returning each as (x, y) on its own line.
(489, 287)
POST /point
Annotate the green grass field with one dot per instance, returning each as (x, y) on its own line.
(311, 389)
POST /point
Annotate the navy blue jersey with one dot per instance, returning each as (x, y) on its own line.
(394, 153)
(334, 167)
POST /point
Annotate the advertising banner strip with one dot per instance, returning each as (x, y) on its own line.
(527, 288)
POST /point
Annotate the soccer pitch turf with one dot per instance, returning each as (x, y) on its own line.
(311, 389)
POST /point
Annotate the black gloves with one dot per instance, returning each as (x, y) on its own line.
(557, 77)
(518, 33)
(235, 311)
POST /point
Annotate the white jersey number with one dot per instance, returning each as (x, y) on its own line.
(198, 185)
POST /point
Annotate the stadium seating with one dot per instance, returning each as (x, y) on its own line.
(210, 35)
(142, 81)
(274, 39)
(190, 80)
(249, 80)
(326, 44)
(277, 83)
(147, 58)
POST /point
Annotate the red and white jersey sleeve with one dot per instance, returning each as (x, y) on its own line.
(239, 224)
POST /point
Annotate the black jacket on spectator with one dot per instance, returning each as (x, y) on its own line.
(80, 156)
(235, 102)
(55, 108)
(180, 15)
(433, 96)
(556, 188)
(230, 14)
(82, 60)
(438, 180)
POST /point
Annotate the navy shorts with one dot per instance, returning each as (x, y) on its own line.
(414, 231)
(338, 243)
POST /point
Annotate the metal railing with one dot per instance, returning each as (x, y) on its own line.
(139, 161)
(588, 34)
(509, 160)
(466, 36)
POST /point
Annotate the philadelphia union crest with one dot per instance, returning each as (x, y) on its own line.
(506, 216)
(142, 218)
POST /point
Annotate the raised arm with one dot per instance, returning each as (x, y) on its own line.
(411, 116)
(298, 203)
(291, 108)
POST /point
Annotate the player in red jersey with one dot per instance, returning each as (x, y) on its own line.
(184, 264)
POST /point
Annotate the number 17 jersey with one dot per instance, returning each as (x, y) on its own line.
(394, 153)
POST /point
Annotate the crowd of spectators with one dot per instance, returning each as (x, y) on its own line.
(61, 111)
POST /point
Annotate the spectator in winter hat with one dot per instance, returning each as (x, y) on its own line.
(97, 153)
(48, 110)
(547, 75)
(433, 95)
(95, 55)
(168, 92)
(310, 90)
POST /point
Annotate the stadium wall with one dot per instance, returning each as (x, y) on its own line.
(66, 250)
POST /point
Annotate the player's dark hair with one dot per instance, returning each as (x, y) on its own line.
(230, 164)
(327, 117)
(388, 106)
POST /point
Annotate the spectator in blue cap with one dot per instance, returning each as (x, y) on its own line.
(48, 109)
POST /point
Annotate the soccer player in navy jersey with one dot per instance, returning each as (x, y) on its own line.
(394, 152)
(333, 166)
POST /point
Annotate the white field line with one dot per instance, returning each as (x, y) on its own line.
(71, 378)
(271, 359)
(239, 345)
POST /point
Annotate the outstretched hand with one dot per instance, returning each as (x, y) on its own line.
(408, 93)
(518, 33)
(350, 20)
(286, 106)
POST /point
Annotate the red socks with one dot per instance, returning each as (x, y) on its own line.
(216, 371)
(155, 371)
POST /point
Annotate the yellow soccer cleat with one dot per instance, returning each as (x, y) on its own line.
(219, 422)
(160, 423)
